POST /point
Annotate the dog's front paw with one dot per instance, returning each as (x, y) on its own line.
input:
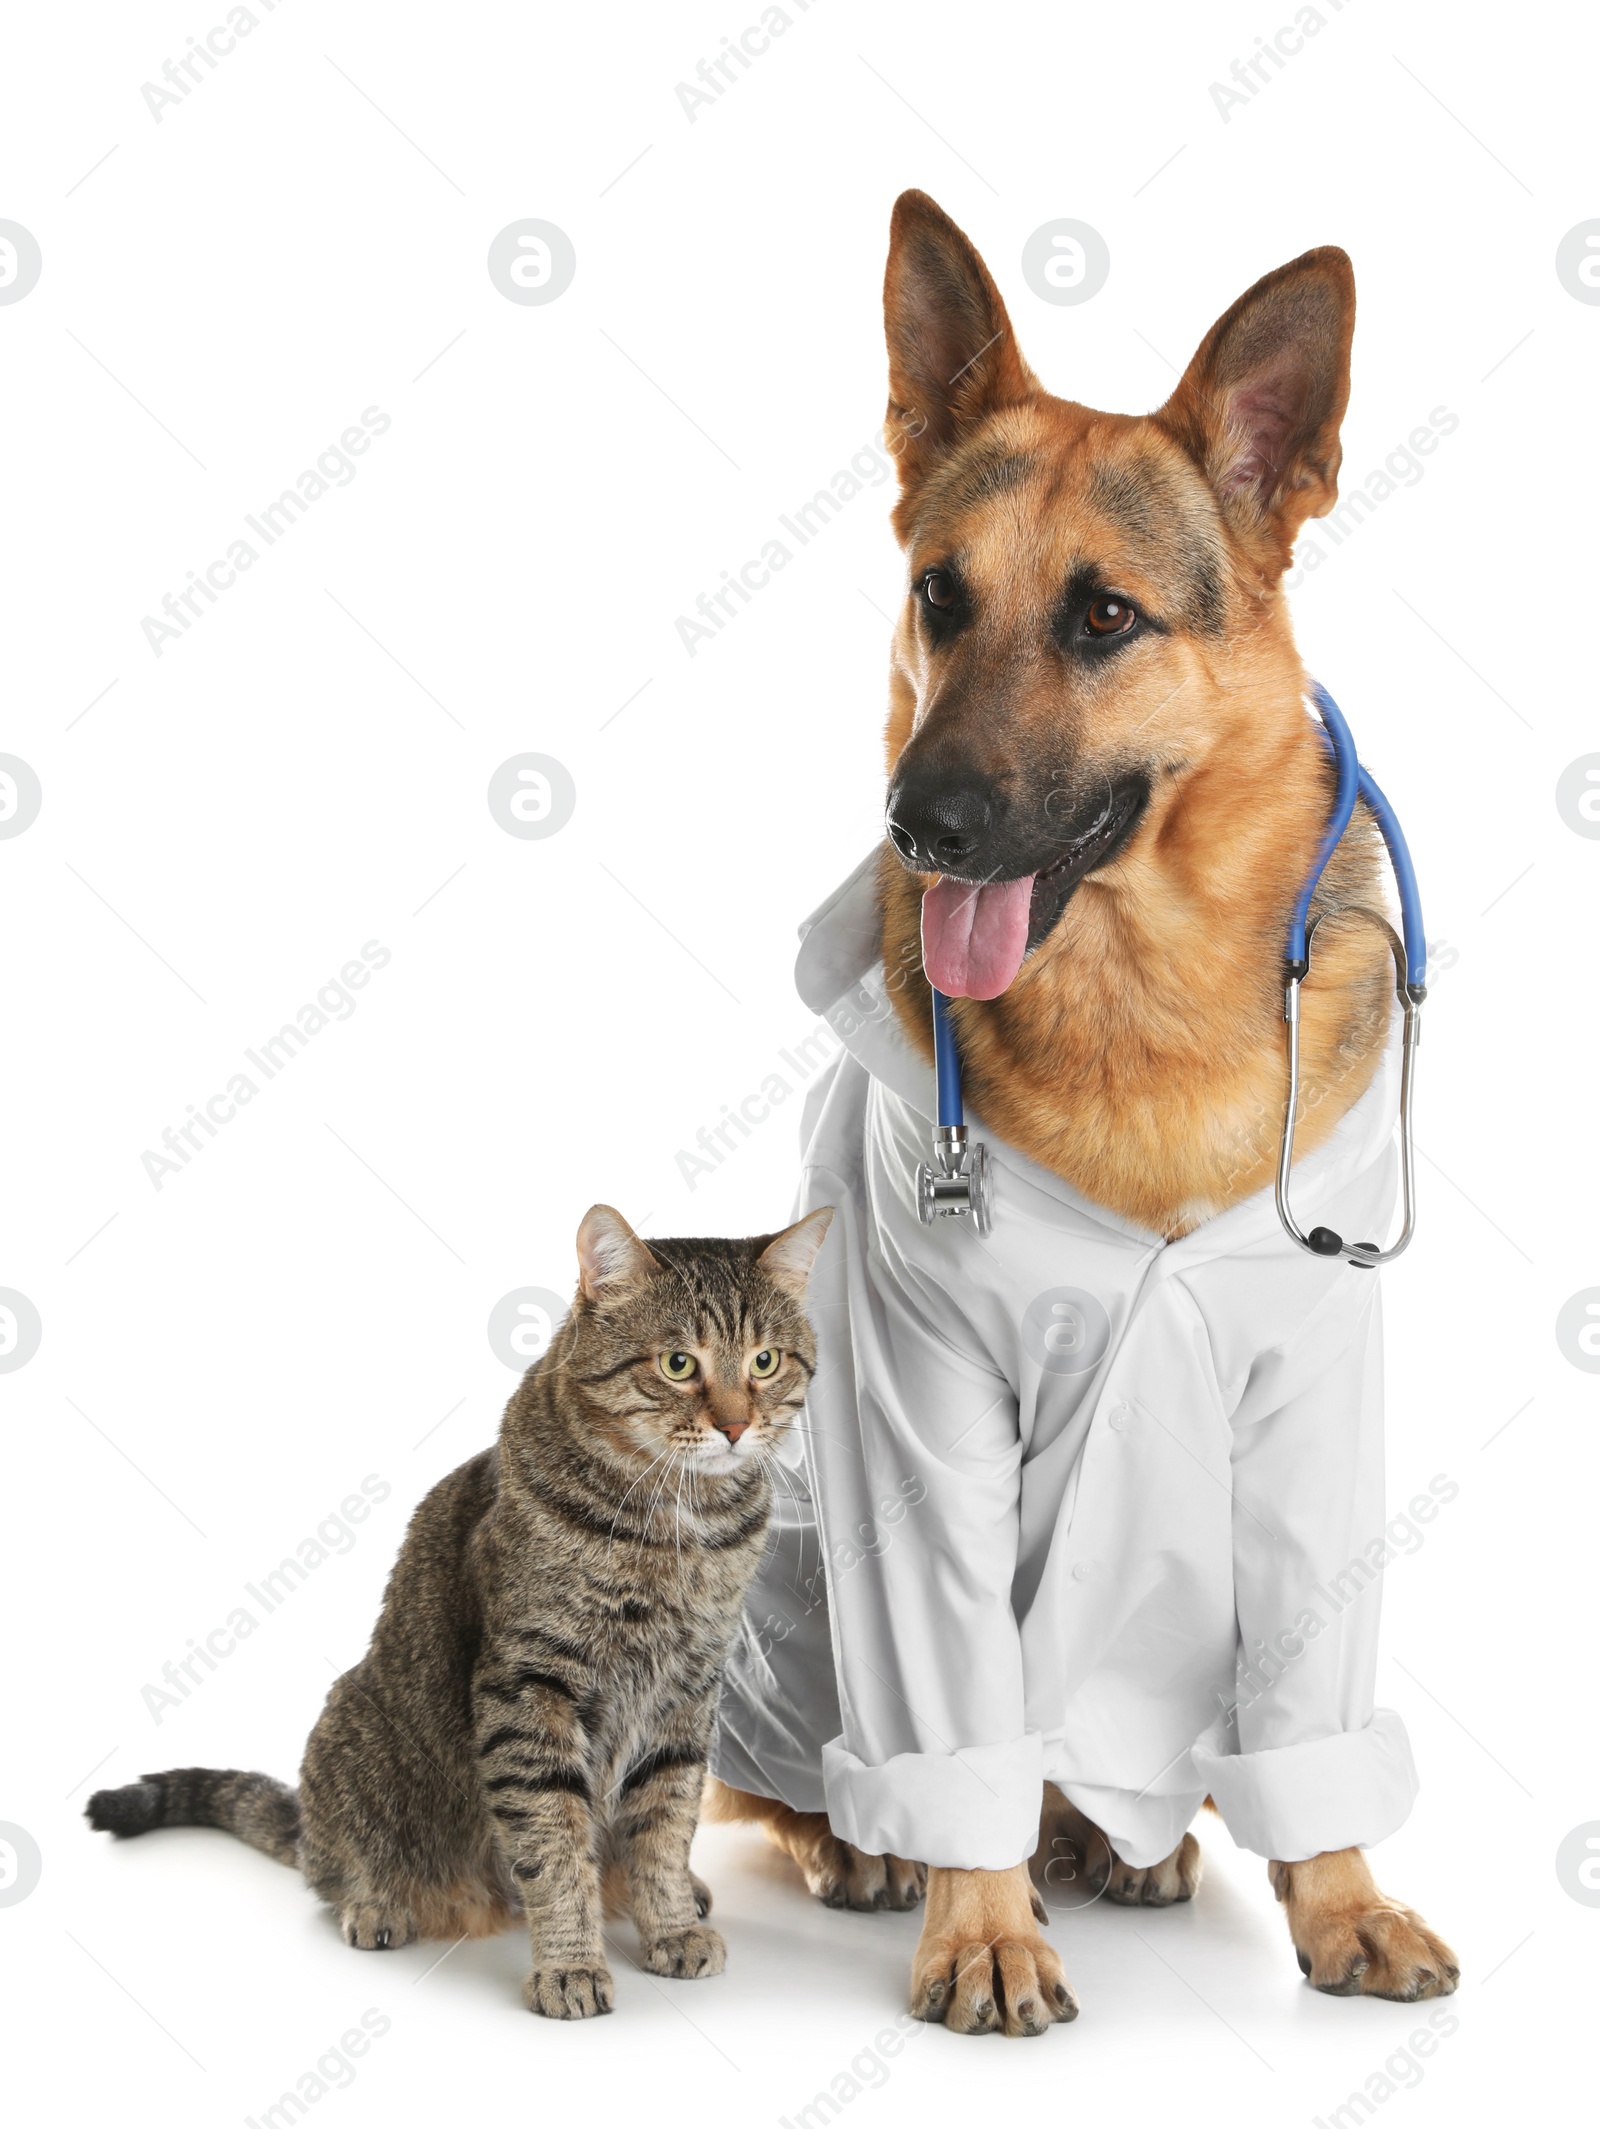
(1352, 1940)
(1175, 1878)
(688, 1954)
(1013, 1985)
(568, 1991)
(1385, 1950)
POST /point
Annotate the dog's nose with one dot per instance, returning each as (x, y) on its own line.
(938, 826)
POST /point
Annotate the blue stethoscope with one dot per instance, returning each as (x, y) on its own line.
(957, 1182)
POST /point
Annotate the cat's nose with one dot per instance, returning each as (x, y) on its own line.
(732, 1428)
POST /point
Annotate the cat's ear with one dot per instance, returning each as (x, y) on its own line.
(788, 1258)
(610, 1255)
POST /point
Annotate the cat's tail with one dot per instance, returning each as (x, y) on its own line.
(264, 1812)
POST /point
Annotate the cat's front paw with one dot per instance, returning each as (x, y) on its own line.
(568, 1991)
(688, 1954)
(372, 1927)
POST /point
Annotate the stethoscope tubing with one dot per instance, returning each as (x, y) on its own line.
(1355, 781)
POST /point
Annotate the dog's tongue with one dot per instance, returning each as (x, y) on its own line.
(974, 938)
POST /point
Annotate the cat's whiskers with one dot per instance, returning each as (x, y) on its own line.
(782, 1471)
(684, 1466)
(655, 1498)
(647, 1520)
(639, 1481)
(806, 1426)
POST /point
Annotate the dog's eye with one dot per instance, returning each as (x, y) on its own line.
(765, 1364)
(938, 588)
(1109, 616)
(677, 1367)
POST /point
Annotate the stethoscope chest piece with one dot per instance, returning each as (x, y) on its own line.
(956, 1181)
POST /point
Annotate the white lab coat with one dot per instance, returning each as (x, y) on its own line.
(1054, 1487)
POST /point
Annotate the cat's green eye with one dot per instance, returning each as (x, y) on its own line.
(677, 1367)
(765, 1364)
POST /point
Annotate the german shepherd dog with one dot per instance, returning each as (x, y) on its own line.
(1094, 656)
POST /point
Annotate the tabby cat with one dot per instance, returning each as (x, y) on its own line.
(532, 1717)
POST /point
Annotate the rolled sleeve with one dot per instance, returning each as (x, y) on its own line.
(1304, 1763)
(976, 1808)
(1350, 1790)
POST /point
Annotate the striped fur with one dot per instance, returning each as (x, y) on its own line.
(533, 1714)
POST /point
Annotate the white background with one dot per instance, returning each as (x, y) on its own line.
(305, 1303)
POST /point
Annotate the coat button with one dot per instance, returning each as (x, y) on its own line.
(1120, 1417)
(1083, 1570)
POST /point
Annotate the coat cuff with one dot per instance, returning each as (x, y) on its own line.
(1350, 1790)
(973, 1809)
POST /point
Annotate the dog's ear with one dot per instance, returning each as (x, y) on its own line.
(952, 356)
(1259, 407)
